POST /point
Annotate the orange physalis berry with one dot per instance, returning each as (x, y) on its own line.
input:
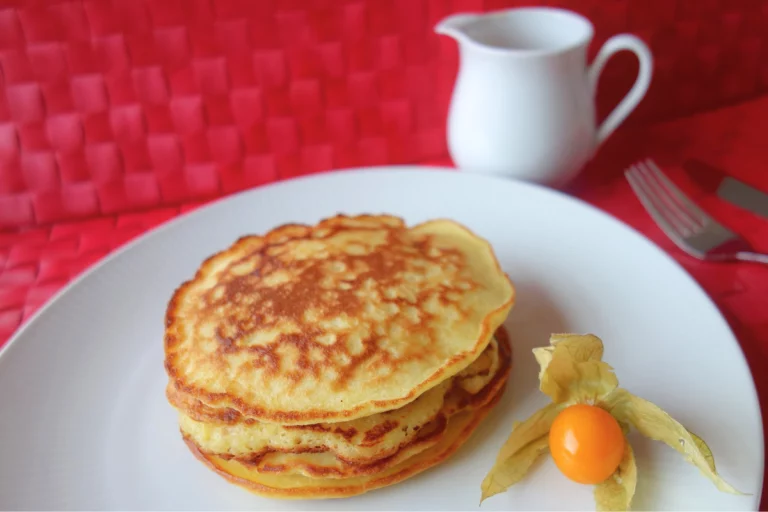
(586, 443)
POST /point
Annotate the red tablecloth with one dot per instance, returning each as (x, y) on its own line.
(35, 263)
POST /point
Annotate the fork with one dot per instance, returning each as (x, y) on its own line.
(689, 227)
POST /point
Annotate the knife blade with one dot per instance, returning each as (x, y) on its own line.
(736, 192)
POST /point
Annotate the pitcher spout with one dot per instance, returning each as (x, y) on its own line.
(454, 26)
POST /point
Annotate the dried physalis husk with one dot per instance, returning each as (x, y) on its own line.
(572, 371)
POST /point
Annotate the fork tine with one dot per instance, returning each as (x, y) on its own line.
(657, 198)
(691, 208)
(674, 211)
(646, 197)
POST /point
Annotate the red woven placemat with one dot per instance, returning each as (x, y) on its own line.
(110, 106)
(36, 263)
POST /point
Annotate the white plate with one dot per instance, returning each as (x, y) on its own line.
(84, 423)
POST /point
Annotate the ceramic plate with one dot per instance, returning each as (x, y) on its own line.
(84, 423)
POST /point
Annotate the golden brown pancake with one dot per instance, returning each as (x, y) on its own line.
(329, 360)
(311, 458)
(303, 487)
(345, 319)
(362, 440)
(329, 465)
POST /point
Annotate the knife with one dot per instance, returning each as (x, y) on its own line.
(713, 180)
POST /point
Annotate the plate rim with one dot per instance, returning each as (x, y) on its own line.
(415, 169)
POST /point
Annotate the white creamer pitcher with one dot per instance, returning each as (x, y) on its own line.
(523, 104)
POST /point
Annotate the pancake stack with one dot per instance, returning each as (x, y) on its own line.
(329, 360)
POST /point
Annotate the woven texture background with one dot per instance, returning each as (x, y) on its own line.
(112, 106)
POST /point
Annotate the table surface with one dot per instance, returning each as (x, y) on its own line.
(36, 263)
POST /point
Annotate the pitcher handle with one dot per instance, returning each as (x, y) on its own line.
(630, 101)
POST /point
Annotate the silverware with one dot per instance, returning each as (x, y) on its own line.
(715, 181)
(686, 224)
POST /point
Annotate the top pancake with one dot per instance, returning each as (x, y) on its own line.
(348, 318)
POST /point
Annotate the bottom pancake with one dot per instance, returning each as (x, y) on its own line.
(458, 430)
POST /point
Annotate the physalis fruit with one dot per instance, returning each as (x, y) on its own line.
(585, 425)
(586, 443)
